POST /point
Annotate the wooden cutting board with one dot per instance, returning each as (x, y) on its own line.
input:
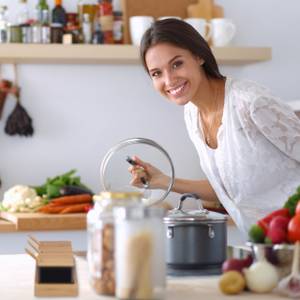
(38, 221)
(6, 226)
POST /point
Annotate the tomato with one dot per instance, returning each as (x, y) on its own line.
(265, 222)
(298, 208)
(279, 212)
(294, 229)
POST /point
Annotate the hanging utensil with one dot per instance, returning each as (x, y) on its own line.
(5, 86)
(18, 122)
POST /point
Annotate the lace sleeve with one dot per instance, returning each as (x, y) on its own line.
(278, 123)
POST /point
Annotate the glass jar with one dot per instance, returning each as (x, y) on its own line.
(89, 7)
(15, 34)
(140, 252)
(118, 27)
(56, 33)
(100, 252)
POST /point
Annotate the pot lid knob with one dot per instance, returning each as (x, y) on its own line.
(179, 208)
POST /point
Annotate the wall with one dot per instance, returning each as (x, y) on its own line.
(80, 111)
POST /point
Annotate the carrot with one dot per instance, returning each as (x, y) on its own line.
(72, 199)
(75, 208)
(50, 209)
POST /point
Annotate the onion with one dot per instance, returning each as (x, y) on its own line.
(261, 277)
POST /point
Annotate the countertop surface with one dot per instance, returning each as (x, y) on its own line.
(17, 282)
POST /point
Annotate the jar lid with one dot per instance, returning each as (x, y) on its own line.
(137, 212)
(114, 174)
(56, 25)
(117, 195)
(200, 215)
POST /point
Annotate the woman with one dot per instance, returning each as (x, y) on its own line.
(248, 142)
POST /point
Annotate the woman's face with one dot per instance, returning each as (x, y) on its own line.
(175, 72)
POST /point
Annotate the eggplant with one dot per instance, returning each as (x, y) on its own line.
(74, 190)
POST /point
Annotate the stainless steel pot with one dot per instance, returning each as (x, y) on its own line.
(196, 239)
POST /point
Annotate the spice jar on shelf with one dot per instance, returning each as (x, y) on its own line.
(106, 20)
(101, 251)
(140, 252)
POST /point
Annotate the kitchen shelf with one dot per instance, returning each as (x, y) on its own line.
(112, 54)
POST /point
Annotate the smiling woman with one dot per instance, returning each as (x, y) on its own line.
(247, 140)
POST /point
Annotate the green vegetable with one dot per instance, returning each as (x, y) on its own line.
(268, 241)
(292, 201)
(2, 208)
(51, 188)
(41, 190)
(256, 234)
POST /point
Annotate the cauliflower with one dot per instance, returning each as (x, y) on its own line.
(21, 198)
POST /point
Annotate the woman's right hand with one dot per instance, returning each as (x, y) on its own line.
(153, 176)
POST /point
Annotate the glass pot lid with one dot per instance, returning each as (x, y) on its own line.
(200, 215)
(115, 176)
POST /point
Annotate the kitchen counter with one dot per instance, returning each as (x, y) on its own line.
(15, 228)
(12, 222)
(17, 283)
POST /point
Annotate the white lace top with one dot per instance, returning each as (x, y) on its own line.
(258, 154)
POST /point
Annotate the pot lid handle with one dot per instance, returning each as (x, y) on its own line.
(179, 208)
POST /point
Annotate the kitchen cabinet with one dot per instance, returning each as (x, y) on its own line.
(113, 54)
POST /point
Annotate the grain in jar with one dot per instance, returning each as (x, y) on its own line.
(140, 253)
(101, 251)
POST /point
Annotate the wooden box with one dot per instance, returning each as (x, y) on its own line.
(55, 272)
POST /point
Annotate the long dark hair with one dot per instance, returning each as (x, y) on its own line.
(181, 34)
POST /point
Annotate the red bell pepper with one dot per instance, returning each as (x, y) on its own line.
(264, 222)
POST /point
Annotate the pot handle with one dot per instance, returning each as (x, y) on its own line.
(190, 195)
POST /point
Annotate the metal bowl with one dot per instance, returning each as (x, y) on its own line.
(280, 255)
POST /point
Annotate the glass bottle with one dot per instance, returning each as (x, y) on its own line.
(40, 7)
(106, 20)
(36, 28)
(140, 252)
(100, 250)
(22, 19)
(98, 37)
(22, 16)
(45, 27)
(86, 29)
(3, 25)
(59, 13)
(118, 27)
